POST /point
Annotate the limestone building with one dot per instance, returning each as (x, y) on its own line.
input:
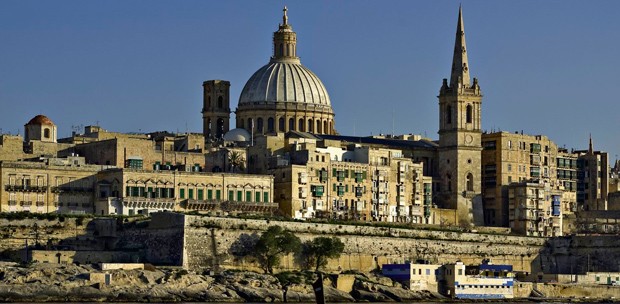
(460, 135)
(52, 185)
(281, 96)
(535, 209)
(130, 191)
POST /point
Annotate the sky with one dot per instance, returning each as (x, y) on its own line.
(544, 67)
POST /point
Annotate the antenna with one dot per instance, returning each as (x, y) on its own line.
(392, 121)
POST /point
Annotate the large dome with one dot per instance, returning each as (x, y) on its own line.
(284, 81)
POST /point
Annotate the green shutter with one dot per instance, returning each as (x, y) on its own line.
(364, 175)
(209, 194)
(231, 195)
(334, 187)
(257, 196)
(218, 195)
(248, 196)
(266, 197)
(346, 173)
(334, 171)
(239, 196)
(346, 188)
(182, 193)
(191, 194)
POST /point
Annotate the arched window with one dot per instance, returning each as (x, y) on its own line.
(318, 126)
(270, 125)
(220, 102)
(259, 125)
(470, 182)
(301, 125)
(468, 114)
(310, 125)
(281, 49)
(250, 124)
(46, 133)
(281, 125)
(325, 129)
(449, 114)
(331, 127)
(219, 132)
(209, 102)
(291, 124)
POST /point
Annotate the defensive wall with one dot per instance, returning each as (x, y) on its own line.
(213, 242)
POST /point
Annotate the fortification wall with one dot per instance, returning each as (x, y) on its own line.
(220, 242)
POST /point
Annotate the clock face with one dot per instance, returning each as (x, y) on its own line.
(469, 139)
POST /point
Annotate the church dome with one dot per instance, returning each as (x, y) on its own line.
(237, 135)
(284, 80)
(40, 120)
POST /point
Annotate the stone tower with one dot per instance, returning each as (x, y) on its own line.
(460, 137)
(216, 109)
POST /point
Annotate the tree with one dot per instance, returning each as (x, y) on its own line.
(274, 243)
(236, 161)
(320, 249)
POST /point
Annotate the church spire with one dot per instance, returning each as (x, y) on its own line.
(284, 40)
(460, 66)
(590, 146)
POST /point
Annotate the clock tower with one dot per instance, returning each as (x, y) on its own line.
(460, 137)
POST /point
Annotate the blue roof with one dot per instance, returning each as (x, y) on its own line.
(492, 267)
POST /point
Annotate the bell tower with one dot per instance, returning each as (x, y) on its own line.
(460, 136)
(216, 109)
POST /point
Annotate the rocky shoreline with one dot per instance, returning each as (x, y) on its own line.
(72, 283)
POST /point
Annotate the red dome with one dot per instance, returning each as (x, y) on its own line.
(40, 120)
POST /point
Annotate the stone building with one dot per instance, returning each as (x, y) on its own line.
(281, 96)
(515, 158)
(460, 136)
(131, 191)
(535, 209)
(593, 179)
(52, 185)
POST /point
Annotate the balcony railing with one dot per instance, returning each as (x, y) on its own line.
(25, 188)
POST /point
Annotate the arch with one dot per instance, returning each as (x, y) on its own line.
(300, 127)
(470, 182)
(270, 125)
(220, 102)
(291, 124)
(310, 125)
(46, 133)
(325, 130)
(331, 127)
(469, 114)
(448, 114)
(288, 50)
(281, 49)
(318, 126)
(250, 124)
(259, 125)
(281, 125)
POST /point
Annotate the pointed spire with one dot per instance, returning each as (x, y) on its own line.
(460, 65)
(590, 146)
(284, 16)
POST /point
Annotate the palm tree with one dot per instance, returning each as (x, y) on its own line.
(236, 161)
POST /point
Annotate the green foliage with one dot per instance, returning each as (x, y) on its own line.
(274, 243)
(320, 249)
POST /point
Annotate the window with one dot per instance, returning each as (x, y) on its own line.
(301, 125)
(209, 194)
(248, 196)
(200, 194)
(218, 195)
(259, 125)
(449, 114)
(46, 133)
(239, 196)
(231, 195)
(257, 197)
(220, 102)
(266, 197)
(291, 124)
(270, 125)
(190, 194)
(470, 182)
(468, 114)
(182, 193)
(281, 124)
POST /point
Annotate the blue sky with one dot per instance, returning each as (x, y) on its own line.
(545, 67)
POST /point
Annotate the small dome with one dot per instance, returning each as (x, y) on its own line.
(284, 81)
(237, 135)
(40, 120)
